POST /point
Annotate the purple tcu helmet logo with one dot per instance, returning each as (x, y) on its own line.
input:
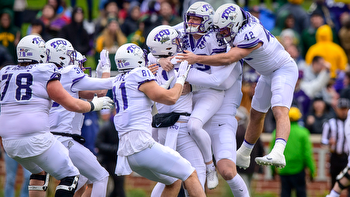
(206, 7)
(131, 48)
(57, 43)
(227, 12)
(159, 36)
(37, 40)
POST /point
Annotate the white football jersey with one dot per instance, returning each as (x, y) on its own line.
(184, 103)
(269, 56)
(208, 44)
(60, 118)
(24, 101)
(133, 107)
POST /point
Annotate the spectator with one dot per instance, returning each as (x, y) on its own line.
(308, 35)
(288, 37)
(250, 79)
(18, 8)
(5, 57)
(11, 173)
(131, 24)
(300, 99)
(110, 39)
(300, 16)
(344, 34)
(318, 114)
(242, 116)
(345, 93)
(294, 52)
(89, 130)
(316, 78)
(9, 34)
(75, 32)
(110, 10)
(333, 135)
(107, 146)
(167, 14)
(330, 51)
(38, 28)
(285, 20)
(298, 155)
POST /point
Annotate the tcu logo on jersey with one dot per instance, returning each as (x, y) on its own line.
(162, 36)
(174, 127)
(227, 12)
(58, 42)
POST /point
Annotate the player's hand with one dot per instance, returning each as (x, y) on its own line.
(104, 64)
(183, 72)
(153, 68)
(166, 64)
(190, 57)
(102, 103)
(167, 83)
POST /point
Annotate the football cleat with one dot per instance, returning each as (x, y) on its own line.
(275, 159)
(212, 179)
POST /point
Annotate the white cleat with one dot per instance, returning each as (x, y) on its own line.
(212, 179)
(275, 159)
(242, 161)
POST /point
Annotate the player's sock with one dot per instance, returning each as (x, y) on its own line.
(333, 194)
(210, 166)
(238, 187)
(280, 145)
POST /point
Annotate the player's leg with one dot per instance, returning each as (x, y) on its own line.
(162, 164)
(192, 185)
(81, 186)
(88, 166)
(260, 105)
(57, 163)
(222, 130)
(283, 83)
(206, 104)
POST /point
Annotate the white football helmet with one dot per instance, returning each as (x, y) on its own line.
(80, 59)
(202, 10)
(31, 49)
(129, 56)
(164, 41)
(229, 19)
(61, 52)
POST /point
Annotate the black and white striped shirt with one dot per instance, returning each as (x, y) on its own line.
(335, 128)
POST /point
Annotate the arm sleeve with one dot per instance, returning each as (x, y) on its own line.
(89, 83)
(214, 80)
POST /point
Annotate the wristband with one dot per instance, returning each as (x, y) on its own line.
(92, 106)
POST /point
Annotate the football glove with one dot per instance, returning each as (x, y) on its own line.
(183, 72)
(104, 64)
(99, 103)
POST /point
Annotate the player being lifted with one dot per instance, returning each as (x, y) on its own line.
(261, 50)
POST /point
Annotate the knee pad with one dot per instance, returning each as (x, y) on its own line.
(67, 186)
(40, 178)
(342, 174)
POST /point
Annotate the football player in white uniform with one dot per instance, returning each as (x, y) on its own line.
(261, 50)
(66, 125)
(26, 93)
(162, 43)
(134, 91)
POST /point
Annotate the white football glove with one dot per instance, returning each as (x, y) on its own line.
(183, 72)
(104, 64)
(99, 103)
(167, 83)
